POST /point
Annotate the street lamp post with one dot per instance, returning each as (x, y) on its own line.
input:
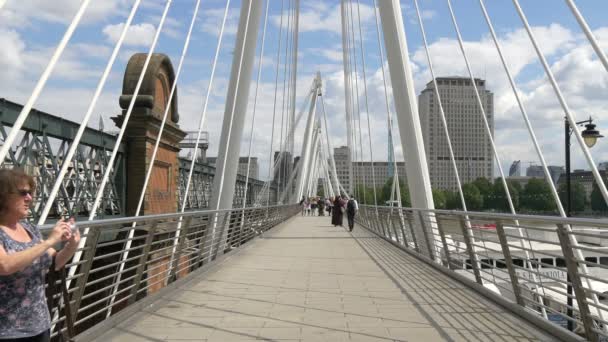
(590, 136)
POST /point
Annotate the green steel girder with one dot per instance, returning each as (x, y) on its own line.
(55, 126)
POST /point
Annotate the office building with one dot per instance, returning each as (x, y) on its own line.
(471, 145)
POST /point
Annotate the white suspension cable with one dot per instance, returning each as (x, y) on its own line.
(564, 104)
(590, 36)
(523, 111)
(161, 129)
(129, 111)
(283, 144)
(74, 145)
(579, 138)
(482, 110)
(285, 94)
(93, 213)
(445, 124)
(205, 104)
(336, 185)
(326, 172)
(358, 106)
(25, 111)
(369, 127)
(358, 127)
(274, 107)
(441, 110)
(329, 148)
(528, 126)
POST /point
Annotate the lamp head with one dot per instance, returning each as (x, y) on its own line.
(590, 135)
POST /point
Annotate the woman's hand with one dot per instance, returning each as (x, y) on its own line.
(73, 238)
(61, 232)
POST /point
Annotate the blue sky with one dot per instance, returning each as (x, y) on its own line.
(30, 29)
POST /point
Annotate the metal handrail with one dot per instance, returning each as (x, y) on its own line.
(101, 287)
(131, 219)
(498, 260)
(509, 217)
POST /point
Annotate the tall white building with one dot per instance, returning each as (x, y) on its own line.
(472, 150)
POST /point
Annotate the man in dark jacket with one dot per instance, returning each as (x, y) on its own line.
(351, 209)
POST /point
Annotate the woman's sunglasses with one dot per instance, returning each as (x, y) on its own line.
(24, 192)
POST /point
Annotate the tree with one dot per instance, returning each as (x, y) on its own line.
(578, 196)
(486, 188)
(498, 199)
(472, 197)
(385, 193)
(364, 195)
(452, 200)
(597, 200)
(405, 194)
(536, 196)
(440, 198)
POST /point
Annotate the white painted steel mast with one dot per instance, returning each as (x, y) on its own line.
(235, 110)
(347, 95)
(406, 107)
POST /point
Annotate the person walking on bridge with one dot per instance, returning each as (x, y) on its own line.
(351, 209)
(337, 213)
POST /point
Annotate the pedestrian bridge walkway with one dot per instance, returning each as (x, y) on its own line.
(308, 280)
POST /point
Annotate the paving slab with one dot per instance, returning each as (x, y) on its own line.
(310, 281)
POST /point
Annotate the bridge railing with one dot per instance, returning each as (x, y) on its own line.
(554, 267)
(126, 260)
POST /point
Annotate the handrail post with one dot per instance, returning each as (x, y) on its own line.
(385, 227)
(401, 226)
(506, 251)
(180, 247)
(89, 253)
(577, 285)
(410, 221)
(391, 223)
(426, 236)
(202, 239)
(470, 249)
(444, 242)
(142, 263)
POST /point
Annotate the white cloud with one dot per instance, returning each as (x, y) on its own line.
(317, 16)
(574, 65)
(10, 54)
(58, 11)
(137, 35)
(211, 21)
